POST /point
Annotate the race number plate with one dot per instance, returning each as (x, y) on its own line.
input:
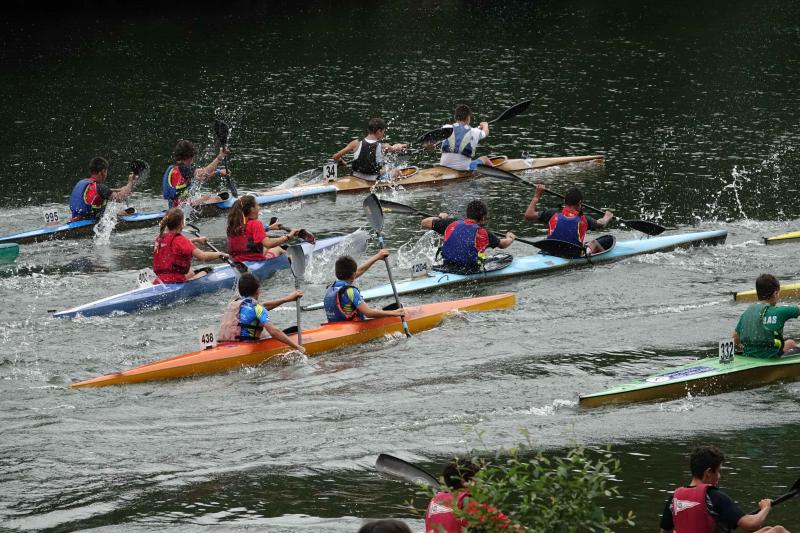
(329, 171)
(143, 278)
(726, 351)
(208, 339)
(420, 270)
(51, 217)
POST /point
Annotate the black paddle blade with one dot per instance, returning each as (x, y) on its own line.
(221, 132)
(129, 210)
(273, 220)
(374, 212)
(399, 209)
(394, 466)
(138, 167)
(435, 136)
(391, 307)
(649, 228)
(241, 267)
(290, 330)
(564, 249)
(494, 172)
(307, 236)
(514, 110)
(224, 195)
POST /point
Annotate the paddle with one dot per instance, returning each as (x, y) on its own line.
(649, 228)
(513, 111)
(793, 491)
(238, 267)
(438, 135)
(394, 466)
(567, 250)
(403, 209)
(372, 207)
(302, 234)
(221, 131)
(297, 260)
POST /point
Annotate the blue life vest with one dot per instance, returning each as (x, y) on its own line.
(459, 245)
(182, 189)
(334, 311)
(567, 228)
(460, 141)
(251, 330)
(77, 201)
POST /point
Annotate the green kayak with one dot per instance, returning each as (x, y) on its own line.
(8, 252)
(711, 375)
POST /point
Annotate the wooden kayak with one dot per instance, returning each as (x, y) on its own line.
(438, 175)
(783, 237)
(790, 290)
(705, 376)
(327, 337)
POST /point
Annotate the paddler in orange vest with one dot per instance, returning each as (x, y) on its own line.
(368, 153)
(245, 319)
(172, 256)
(178, 178)
(343, 301)
(701, 507)
(90, 195)
(247, 237)
(568, 223)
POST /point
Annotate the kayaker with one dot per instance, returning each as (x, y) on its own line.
(759, 332)
(701, 507)
(172, 256)
(466, 241)
(568, 223)
(368, 153)
(247, 237)
(343, 301)
(459, 149)
(245, 319)
(90, 195)
(178, 178)
(440, 517)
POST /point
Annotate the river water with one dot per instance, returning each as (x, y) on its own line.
(695, 107)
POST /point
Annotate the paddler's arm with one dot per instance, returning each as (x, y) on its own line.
(121, 193)
(272, 304)
(352, 145)
(428, 223)
(271, 242)
(202, 174)
(398, 147)
(603, 222)
(363, 267)
(506, 241)
(531, 213)
(484, 127)
(202, 255)
(277, 334)
(374, 312)
(753, 522)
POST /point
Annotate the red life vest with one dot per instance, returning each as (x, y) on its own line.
(689, 511)
(242, 246)
(440, 517)
(567, 225)
(167, 260)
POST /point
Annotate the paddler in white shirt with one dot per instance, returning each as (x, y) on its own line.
(459, 149)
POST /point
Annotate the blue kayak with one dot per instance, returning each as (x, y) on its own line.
(223, 277)
(541, 263)
(85, 228)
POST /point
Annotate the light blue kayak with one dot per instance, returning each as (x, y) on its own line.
(85, 228)
(540, 263)
(222, 277)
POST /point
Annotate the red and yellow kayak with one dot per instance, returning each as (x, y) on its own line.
(327, 337)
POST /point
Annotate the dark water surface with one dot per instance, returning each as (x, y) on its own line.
(695, 107)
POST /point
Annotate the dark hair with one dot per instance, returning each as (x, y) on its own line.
(97, 165)
(574, 196)
(172, 220)
(389, 525)
(766, 285)
(703, 458)
(477, 210)
(462, 112)
(345, 267)
(248, 285)
(459, 471)
(238, 213)
(184, 150)
(376, 124)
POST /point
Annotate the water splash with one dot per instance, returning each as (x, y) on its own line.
(106, 224)
(412, 253)
(319, 268)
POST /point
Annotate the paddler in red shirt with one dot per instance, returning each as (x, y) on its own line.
(247, 237)
(178, 178)
(90, 195)
(172, 256)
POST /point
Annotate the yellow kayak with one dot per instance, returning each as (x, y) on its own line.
(783, 237)
(790, 290)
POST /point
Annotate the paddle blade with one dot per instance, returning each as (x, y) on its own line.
(391, 307)
(399, 209)
(394, 466)
(240, 267)
(221, 131)
(307, 236)
(513, 111)
(564, 249)
(374, 212)
(494, 172)
(297, 258)
(649, 228)
(139, 167)
(290, 330)
(435, 136)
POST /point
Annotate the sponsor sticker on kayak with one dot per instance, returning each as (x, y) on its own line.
(679, 374)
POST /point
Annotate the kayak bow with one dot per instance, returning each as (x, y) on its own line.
(790, 290)
(326, 337)
(783, 237)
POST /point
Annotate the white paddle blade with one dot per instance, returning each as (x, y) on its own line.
(394, 466)
(374, 212)
(297, 259)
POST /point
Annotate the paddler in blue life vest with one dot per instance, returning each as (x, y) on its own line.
(178, 178)
(245, 319)
(759, 332)
(701, 507)
(568, 223)
(466, 241)
(459, 149)
(343, 301)
(90, 195)
(368, 153)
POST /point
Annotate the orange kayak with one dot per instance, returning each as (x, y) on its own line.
(327, 337)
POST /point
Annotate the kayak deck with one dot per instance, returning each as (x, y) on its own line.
(326, 337)
(703, 377)
(790, 290)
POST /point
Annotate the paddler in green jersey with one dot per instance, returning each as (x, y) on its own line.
(759, 332)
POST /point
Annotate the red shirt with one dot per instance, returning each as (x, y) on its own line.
(179, 251)
(481, 237)
(255, 233)
(440, 517)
